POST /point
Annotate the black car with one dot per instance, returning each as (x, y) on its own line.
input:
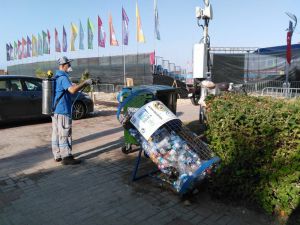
(21, 98)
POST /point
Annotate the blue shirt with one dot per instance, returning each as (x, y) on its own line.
(62, 83)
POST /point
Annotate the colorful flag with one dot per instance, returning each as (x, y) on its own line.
(156, 21)
(24, 53)
(139, 33)
(74, 32)
(28, 47)
(11, 49)
(34, 46)
(7, 52)
(113, 39)
(19, 50)
(289, 43)
(40, 45)
(90, 28)
(65, 43)
(125, 22)
(101, 34)
(152, 58)
(49, 37)
(33, 51)
(45, 42)
(81, 37)
(57, 43)
(15, 50)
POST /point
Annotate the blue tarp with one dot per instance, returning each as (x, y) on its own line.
(276, 49)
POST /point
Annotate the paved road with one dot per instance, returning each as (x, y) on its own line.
(186, 111)
(35, 190)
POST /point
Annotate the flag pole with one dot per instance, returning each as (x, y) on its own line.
(156, 30)
(110, 42)
(49, 53)
(22, 58)
(137, 41)
(98, 38)
(18, 59)
(124, 69)
(154, 34)
(32, 60)
(55, 40)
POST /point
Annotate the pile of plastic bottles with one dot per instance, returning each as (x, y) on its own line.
(171, 154)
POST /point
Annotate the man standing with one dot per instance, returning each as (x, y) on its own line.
(62, 118)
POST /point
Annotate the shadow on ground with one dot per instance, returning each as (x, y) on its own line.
(30, 157)
(101, 190)
(5, 125)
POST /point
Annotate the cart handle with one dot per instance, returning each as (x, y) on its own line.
(129, 98)
(121, 93)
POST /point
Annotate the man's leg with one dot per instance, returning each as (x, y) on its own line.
(55, 138)
(65, 141)
(65, 135)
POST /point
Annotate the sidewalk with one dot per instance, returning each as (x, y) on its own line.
(36, 190)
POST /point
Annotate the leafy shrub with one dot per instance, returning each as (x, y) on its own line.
(40, 73)
(258, 140)
(86, 76)
(43, 74)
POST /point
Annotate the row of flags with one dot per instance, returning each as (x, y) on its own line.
(40, 44)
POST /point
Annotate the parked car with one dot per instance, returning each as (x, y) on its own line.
(21, 98)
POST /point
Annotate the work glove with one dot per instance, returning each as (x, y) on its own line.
(88, 82)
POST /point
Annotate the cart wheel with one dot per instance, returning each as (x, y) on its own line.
(202, 115)
(195, 99)
(126, 149)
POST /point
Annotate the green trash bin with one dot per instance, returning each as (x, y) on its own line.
(165, 94)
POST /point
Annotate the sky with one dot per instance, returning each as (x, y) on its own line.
(236, 23)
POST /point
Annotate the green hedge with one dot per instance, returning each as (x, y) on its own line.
(258, 140)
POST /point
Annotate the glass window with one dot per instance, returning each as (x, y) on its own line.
(3, 86)
(15, 85)
(32, 85)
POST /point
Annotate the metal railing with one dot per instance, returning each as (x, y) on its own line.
(259, 86)
(262, 87)
(280, 92)
(107, 88)
(295, 84)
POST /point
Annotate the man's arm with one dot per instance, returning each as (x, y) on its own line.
(75, 88)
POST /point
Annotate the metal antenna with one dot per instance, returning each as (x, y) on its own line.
(294, 18)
